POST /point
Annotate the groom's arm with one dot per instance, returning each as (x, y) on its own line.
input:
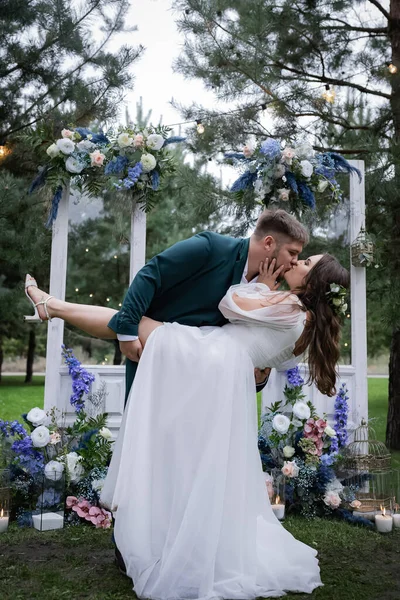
(174, 265)
(262, 376)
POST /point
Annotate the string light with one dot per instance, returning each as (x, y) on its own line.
(392, 68)
(108, 299)
(329, 94)
(346, 344)
(200, 126)
(105, 358)
(90, 295)
(120, 304)
(87, 250)
(115, 256)
(77, 289)
(348, 316)
(3, 151)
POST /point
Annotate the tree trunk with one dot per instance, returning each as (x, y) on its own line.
(1, 356)
(30, 356)
(117, 354)
(393, 420)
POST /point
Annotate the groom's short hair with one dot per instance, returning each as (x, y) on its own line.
(280, 222)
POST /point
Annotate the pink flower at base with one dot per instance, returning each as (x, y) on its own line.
(99, 517)
(332, 499)
(71, 501)
(82, 508)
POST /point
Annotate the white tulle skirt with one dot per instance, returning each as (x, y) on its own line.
(193, 518)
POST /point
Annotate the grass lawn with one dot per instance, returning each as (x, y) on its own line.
(77, 563)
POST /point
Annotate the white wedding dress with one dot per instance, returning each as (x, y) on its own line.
(193, 517)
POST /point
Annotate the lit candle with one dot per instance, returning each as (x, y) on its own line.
(47, 521)
(384, 522)
(4, 522)
(279, 509)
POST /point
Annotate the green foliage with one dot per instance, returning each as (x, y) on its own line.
(51, 61)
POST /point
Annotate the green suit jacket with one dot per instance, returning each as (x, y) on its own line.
(183, 284)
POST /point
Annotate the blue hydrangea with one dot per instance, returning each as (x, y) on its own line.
(270, 148)
(133, 175)
(116, 166)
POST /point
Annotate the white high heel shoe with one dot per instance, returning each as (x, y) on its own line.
(31, 281)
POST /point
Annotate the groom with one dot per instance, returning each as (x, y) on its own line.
(186, 282)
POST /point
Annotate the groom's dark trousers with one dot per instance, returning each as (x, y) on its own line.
(183, 284)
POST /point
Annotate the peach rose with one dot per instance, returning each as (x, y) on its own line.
(97, 158)
(290, 469)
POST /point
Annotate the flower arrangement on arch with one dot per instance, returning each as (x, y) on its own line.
(295, 174)
(294, 441)
(133, 160)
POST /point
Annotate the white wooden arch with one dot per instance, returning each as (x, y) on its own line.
(58, 382)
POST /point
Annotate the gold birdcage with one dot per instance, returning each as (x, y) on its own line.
(362, 250)
(367, 462)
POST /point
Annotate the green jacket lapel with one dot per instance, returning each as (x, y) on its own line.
(240, 261)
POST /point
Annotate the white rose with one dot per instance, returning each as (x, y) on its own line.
(301, 410)
(306, 168)
(40, 436)
(284, 194)
(54, 470)
(148, 162)
(74, 467)
(330, 431)
(124, 140)
(105, 433)
(67, 133)
(155, 141)
(97, 485)
(37, 416)
(322, 185)
(279, 171)
(335, 288)
(53, 151)
(288, 451)
(65, 145)
(280, 423)
(73, 165)
(305, 151)
(85, 145)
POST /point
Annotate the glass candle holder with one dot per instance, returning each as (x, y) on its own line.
(49, 513)
(278, 494)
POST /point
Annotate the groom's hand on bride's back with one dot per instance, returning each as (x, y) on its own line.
(132, 349)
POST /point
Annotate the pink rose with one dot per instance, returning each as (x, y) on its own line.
(67, 133)
(355, 504)
(332, 499)
(290, 469)
(138, 140)
(97, 158)
(288, 155)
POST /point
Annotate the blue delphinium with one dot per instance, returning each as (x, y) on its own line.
(132, 177)
(341, 416)
(81, 379)
(294, 378)
(292, 182)
(270, 148)
(306, 194)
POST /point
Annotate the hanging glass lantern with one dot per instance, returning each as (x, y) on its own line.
(362, 250)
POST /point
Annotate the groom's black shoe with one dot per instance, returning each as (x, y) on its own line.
(119, 561)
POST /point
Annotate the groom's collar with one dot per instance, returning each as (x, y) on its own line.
(241, 260)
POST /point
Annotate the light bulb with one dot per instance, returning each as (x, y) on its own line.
(77, 289)
(87, 249)
(115, 256)
(108, 299)
(200, 127)
(329, 94)
(392, 69)
(90, 295)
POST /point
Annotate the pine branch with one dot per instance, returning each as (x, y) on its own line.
(380, 8)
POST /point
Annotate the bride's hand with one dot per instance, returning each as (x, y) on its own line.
(268, 274)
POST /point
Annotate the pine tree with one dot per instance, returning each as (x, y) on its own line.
(55, 57)
(314, 67)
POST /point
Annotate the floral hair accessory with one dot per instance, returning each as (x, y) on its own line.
(337, 298)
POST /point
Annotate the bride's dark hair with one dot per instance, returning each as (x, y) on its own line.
(321, 335)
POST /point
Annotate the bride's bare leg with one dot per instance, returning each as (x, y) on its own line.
(91, 319)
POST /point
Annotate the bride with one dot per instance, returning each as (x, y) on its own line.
(192, 513)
